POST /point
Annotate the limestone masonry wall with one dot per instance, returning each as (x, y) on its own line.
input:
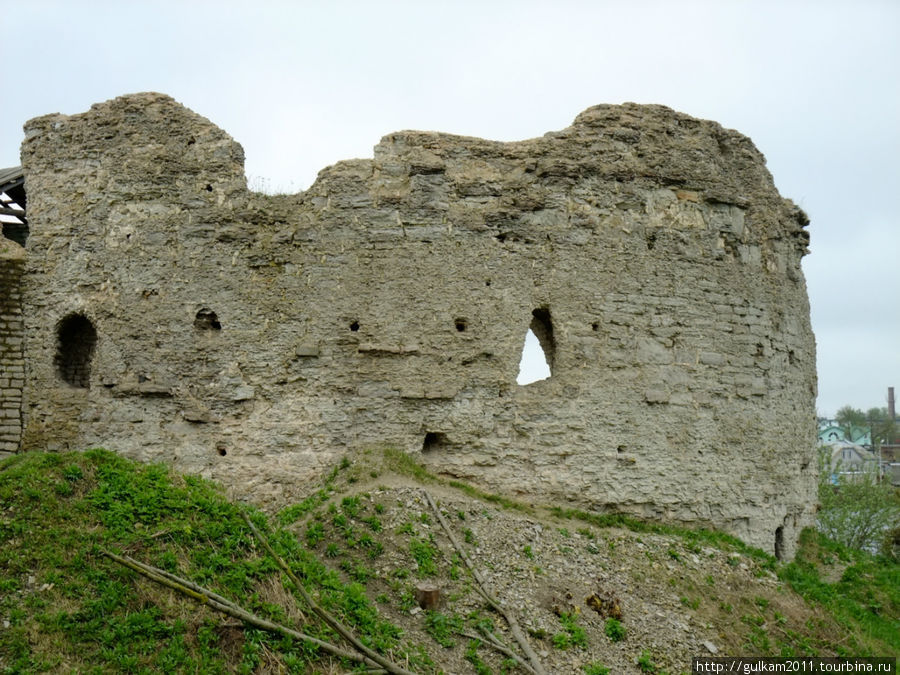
(171, 314)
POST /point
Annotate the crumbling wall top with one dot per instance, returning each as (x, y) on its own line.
(173, 314)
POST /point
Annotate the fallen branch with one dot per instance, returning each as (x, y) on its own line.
(514, 627)
(323, 613)
(491, 640)
(220, 604)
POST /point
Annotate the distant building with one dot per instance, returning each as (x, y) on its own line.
(830, 431)
(846, 459)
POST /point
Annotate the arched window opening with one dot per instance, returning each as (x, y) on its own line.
(206, 319)
(779, 542)
(76, 339)
(539, 351)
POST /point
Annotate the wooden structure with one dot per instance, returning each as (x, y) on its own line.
(12, 204)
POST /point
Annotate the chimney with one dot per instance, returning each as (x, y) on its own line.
(892, 412)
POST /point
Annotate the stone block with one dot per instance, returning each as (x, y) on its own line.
(307, 349)
(712, 358)
(656, 396)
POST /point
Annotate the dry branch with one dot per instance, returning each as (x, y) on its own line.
(491, 640)
(514, 627)
(324, 614)
(220, 604)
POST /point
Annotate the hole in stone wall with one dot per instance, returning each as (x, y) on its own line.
(220, 448)
(779, 542)
(354, 326)
(433, 441)
(651, 241)
(461, 325)
(209, 188)
(595, 327)
(76, 339)
(539, 350)
(206, 319)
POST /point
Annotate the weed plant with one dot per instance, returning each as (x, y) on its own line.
(614, 629)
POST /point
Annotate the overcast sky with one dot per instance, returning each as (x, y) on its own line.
(301, 85)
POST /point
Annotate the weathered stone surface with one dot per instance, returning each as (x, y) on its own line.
(255, 339)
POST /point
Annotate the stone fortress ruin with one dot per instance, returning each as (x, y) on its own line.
(161, 309)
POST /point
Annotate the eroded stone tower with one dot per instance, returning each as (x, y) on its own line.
(173, 315)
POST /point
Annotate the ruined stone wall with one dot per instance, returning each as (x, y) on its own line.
(255, 339)
(12, 338)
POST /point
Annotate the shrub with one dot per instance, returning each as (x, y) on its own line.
(890, 546)
(574, 634)
(857, 509)
(614, 629)
(595, 668)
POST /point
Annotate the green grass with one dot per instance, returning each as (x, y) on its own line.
(481, 668)
(71, 608)
(572, 634)
(500, 500)
(646, 664)
(614, 629)
(865, 599)
(405, 465)
(443, 628)
(425, 554)
(693, 538)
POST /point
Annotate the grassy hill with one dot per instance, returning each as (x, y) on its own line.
(593, 594)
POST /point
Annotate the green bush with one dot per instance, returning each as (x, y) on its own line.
(646, 664)
(574, 634)
(442, 627)
(424, 553)
(857, 510)
(890, 546)
(614, 629)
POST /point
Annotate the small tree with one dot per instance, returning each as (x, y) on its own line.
(890, 547)
(855, 510)
(882, 428)
(849, 417)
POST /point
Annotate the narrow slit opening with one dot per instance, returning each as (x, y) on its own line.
(779, 542)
